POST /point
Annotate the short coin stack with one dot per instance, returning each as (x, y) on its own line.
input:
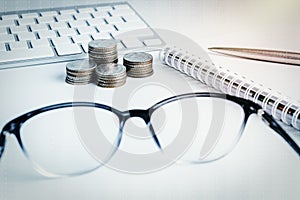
(80, 72)
(111, 75)
(138, 64)
(103, 51)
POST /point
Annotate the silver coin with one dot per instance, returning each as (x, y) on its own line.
(111, 85)
(79, 77)
(115, 76)
(77, 82)
(97, 52)
(76, 73)
(138, 72)
(140, 75)
(137, 57)
(104, 44)
(112, 79)
(111, 69)
(137, 64)
(104, 61)
(140, 68)
(81, 66)
(103, 55)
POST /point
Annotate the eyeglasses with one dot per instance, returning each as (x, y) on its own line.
(77, 137)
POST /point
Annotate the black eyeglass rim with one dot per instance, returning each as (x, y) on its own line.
(16, 123)
(249, 107)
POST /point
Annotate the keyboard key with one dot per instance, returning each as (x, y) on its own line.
(97, 36)
(40, 42)
(49, 13)
(68, 49)
(81, 38)
(26, 36)
(38, 27)
(20, 54)
(120, 46)
(66, 31)
(133, 33)
(3, 30)
(86, 10)
(87, 30)
(100, 14)
(66, 17)
(57, 41)
(7, 38)
(114, 20)
(2, 46)
(17, 29)
(122, 6)
(96, 22)
(132, 43)
(7, 22)
(106, 28)
(26, 21)
(85, 46)
(18, 45)
(83, 16)
(130, 18)
(121, 12)
(7, 17)
(77, 23)
(30, 15)
(131, 26)
(145, 32)
(57, 25)
(68, 11)
(152, 42)
(45, 19)
(47, 34)
(104, 8)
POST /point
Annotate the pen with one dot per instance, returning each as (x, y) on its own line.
(284, 57)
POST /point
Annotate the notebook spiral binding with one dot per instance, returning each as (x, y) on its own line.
(279, 106)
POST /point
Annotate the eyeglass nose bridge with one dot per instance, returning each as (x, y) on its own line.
(145, 115)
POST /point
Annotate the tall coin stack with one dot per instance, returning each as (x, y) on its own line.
(103, 51)
(138, 64)
(110, 75)
(80, 72)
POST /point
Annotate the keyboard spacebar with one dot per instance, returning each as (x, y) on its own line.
(21, 54)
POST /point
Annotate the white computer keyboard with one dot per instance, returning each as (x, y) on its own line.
(60, 34)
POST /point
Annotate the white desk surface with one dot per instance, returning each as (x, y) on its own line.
(261, 167)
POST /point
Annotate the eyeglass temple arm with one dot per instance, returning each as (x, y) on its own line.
(276, 127)
(2, 143)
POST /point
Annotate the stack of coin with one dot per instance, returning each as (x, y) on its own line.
(111, 75)
(103, 51)
(80, 72)
(138, 64)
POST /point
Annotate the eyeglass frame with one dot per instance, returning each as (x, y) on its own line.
(14, 126)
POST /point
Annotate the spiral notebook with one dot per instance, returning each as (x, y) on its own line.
(279, 106)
